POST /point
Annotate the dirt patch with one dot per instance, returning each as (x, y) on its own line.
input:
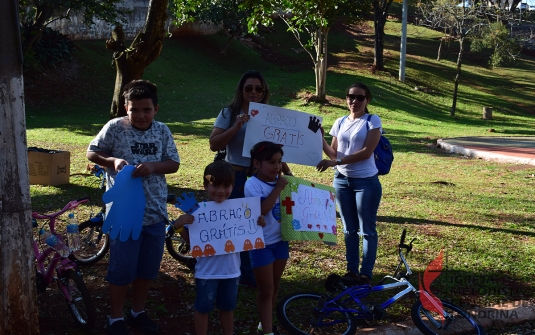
(170, 303)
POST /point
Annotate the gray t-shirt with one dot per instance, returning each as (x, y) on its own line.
(235, 146)
(118, 138)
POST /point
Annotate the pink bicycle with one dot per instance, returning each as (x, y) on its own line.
(65, 271)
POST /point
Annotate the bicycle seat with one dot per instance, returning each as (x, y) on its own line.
(334, 282)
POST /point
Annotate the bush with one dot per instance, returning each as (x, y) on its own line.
(52, 49)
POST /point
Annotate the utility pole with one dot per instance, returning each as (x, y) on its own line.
(18, 313)
(403, 45)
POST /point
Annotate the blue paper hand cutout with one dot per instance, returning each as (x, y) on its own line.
(126, 213)
(187, 203)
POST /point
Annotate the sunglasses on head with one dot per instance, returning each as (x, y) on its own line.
(249, 89)
(352, 97)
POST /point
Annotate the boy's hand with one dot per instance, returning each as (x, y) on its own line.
(143, 169)
(119, 164)
(182, 220)
(261, 221)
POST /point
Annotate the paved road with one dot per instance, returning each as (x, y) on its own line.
(519, 150)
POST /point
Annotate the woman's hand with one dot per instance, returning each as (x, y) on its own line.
(325, 164)
(241, 119)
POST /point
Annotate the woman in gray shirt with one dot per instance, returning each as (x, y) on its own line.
(229, 134)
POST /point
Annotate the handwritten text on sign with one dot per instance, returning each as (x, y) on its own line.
(227, 227)
(296, 131)
(314, 210)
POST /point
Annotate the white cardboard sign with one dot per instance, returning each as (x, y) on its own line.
(298, 132)
(227, 227)
(314, 210)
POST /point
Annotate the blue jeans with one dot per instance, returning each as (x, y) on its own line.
(247, 275)
(358, 200)
(222, 292)
(137, 258)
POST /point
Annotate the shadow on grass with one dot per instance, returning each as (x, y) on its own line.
(413, 221)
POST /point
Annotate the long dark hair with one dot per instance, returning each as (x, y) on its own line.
(263, 151)
(367, 92)
(236, 103)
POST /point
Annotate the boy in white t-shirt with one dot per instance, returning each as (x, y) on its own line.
(216, 277)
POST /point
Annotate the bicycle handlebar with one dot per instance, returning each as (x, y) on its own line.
(96, 169)
(402, 244)
(402, 239)
(70, 205)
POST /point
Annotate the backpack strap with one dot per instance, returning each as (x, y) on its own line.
(368, 126)
(342, 121)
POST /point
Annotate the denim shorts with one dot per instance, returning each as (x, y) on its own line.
(272, 252)
(222, 292)
(137, 258)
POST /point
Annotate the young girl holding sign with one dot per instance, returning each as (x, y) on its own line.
(216, 277)
(268, 263)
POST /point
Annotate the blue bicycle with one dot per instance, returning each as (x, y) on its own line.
(314, 313)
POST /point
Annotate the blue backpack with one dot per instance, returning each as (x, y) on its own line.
(384, 156)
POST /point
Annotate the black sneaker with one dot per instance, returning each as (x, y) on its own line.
(365, 280)
(117, 328)
(143, 323)
(351, 279)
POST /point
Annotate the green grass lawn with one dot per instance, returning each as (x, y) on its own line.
(481, 213)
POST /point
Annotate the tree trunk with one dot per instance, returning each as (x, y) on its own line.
(457, 76)
(18, 313)
(439, 48)
(320, 66)
(130, 63)
(380, 8)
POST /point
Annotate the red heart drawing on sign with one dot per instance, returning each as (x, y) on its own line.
(309, 226)
(320, 235)
(312, 185)
(254, 112)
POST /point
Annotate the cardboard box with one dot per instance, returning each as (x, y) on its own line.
(49, 168)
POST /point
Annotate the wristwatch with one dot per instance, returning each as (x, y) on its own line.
(339, 161)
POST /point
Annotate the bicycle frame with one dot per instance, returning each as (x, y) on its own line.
(58, 263)
(356, 293)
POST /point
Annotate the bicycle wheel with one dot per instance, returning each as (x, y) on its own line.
(431, 323)
(93, 243)
(300, 313)
(179, 249)
(73, 289)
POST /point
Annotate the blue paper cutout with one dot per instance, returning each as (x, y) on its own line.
(188, 204)
(126, 213)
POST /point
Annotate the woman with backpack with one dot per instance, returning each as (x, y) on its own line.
(358, 190)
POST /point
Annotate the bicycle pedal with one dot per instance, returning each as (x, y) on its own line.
(378, 312)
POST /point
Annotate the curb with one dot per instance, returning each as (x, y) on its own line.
(491, 156)
(498, 316)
